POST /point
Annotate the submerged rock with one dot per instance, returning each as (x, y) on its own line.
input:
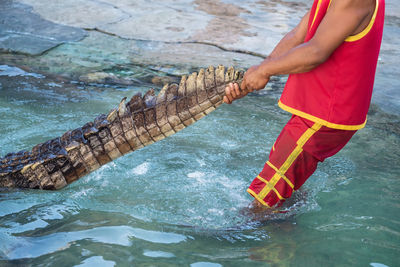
(162, 80)
(99, 53)
(105, 78)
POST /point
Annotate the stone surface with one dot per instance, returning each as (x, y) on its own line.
(387, 83)
(78, 13)
(246, 25)
(22, 31)
(131, 59)
(104, 78)
(134, 38)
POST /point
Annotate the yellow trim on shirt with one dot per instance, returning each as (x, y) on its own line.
(330, 2)
(360, 35)
(321, 121)
(316, 13)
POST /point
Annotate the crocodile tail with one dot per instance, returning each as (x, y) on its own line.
(137, 123)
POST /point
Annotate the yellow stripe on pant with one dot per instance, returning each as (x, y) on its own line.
(280, 173)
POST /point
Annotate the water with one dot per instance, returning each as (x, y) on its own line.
(182, 201)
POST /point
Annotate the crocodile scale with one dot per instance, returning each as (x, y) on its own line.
(141, 121)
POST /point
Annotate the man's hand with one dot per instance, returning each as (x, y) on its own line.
(253, 80)
(233, 92)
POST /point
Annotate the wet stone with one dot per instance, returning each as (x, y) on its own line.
(22, 31)
(103, 77)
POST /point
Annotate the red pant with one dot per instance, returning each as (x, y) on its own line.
(294, 158)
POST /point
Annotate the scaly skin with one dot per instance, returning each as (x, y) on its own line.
(140, 122)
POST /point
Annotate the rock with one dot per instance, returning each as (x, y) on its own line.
(78, 13)
(140, 60)
(104, 78)
(163, 80)
(253, 26)
(22, 31)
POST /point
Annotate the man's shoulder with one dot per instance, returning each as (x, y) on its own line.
(368, 4)
(361, 9)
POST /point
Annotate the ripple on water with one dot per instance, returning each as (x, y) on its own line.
(96, 261)
(158, 254)
(31, 247)
(205, 264)
(14, 71)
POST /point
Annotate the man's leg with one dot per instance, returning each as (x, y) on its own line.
(294, 158)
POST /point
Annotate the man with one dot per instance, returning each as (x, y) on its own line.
(331, 56)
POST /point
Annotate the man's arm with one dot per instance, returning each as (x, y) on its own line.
(292, 39)
(342, 20)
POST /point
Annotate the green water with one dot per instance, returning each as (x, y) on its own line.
(182, 201)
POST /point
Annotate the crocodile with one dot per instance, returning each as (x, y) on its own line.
(134, 124)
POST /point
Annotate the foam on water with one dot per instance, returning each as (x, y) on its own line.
(196, 175)
(141, 169)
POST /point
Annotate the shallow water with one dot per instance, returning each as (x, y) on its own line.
(182, 201)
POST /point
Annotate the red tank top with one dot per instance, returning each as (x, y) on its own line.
(337, 93)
